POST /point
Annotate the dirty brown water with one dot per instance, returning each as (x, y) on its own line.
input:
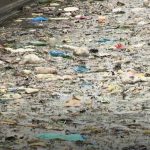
(110, 118)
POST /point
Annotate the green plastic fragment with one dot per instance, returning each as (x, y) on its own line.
(55, 136)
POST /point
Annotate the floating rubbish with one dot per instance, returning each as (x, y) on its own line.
(19, 50)
(39, 19)
(120, 4)
(12, 89)
(119, 46)
(102, 20)
(73, 102)
(78, 51)
(38, 43)
(43, 1)
(55, 136)
(82, 17)
(105, 41)
(45, 70)
(31, 59)
(80, 69)
(59, 18)
(146, 132)
(70, 9)
(93, 50)
(118, 10)
(59, 53)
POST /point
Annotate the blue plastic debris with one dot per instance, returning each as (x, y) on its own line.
(59, 53)
(105, 41)
(80, 69)
(39, 19)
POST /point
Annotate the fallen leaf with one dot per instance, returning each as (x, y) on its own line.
(8, 122)
(146, 132)
(74, 102)
(114, 88)
(38, 144)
